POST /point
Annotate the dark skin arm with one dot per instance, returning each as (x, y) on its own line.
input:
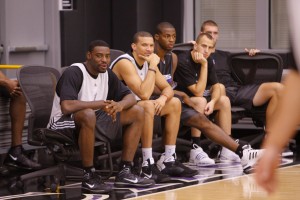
(109, 106)
(113, 107)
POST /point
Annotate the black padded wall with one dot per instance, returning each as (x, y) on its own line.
(89, 20)
(114, 21)
(143, 15)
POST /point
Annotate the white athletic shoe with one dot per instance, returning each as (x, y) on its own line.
(250, 156)
(199, 158)
(227, 155)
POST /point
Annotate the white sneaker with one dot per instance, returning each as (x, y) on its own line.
(250, 156)
(227, 155)
(199, 158)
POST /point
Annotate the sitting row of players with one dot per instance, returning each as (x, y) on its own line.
(148, 72)
(90, 97)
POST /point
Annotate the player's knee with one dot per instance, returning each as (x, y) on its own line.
(175, 105)
(138, 113)
(224, 101)
(222, 88)
(149, 108)
(200, 101)
(278, 88)
(85, 117)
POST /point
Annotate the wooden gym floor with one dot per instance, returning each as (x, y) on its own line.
(223, 181)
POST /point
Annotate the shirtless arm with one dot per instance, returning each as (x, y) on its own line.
(126, 71)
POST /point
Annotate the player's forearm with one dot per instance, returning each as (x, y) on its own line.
(215, 92)
(202, 81)
(168, 93)
(128, 101)
(73, 106)
(147, 87)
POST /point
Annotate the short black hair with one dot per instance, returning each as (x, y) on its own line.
(96, 43)
(163, 25)
(140, 34)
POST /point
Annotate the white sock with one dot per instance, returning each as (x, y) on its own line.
(169, 150)
(147, 154)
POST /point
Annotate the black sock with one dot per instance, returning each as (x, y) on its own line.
(239, 151)
(15, 150)
(89, 169)
(196, 140)
(124, 164)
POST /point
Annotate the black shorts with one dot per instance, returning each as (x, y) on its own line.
(243, 95)
(186, 113)
(105, 128)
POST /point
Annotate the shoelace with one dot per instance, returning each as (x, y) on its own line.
(201, 155)
(93, 178)
(127, 171)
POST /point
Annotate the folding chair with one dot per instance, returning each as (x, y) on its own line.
(38, 84)
(261, 68)
(115, 53)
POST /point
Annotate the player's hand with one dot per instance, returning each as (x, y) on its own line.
(209, 108)
(252, 52)
(199, 57)
(14, 88)
(265, 169)
(152, 59)
(158, 105)
(112, 108)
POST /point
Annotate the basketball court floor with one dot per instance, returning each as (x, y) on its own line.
(222, 181)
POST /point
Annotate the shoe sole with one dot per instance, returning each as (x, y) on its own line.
(228, 161)
(122, 184)
(182, 175)
(20, 167)
(164, 180)
(95, 191)
(202, 165)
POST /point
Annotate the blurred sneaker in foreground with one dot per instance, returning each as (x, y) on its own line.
(287, 153)
(250, 156)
